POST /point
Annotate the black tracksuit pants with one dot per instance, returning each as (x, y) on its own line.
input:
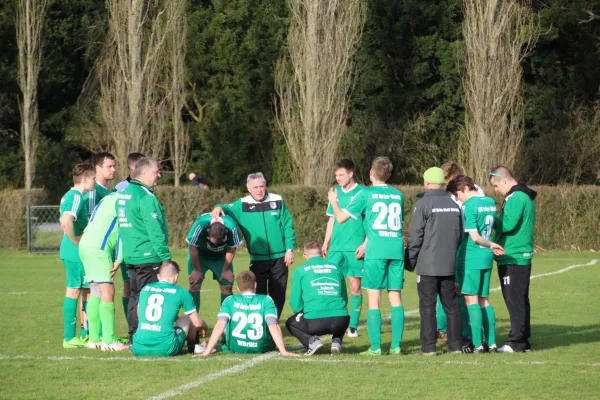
(514, 280)
(304, 329)
(428, 288)
(139, 276)
(271, 279)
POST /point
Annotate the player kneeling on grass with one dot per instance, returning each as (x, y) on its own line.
(212, 246)
(474, 259)
(158, 308)
(249, 321)
(318, 300)
(100, 252)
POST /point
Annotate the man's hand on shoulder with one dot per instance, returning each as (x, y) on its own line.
(217, 212)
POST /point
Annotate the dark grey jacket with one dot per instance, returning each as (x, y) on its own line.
(434, 234)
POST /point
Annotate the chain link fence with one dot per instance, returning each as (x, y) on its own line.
(44, 233)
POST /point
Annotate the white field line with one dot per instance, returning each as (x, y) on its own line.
(118, 358)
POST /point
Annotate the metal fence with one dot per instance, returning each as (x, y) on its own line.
(43, 229)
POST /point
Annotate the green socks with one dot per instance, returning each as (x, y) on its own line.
(196, 298)
(93, 316)
(355, 309)
(125, 305)
(476, 320)
(440, 316)
(69, 317)
(464, 317)
(374, 328)
(223, 297)
(107, 316)
(489, 325)
(397, 326)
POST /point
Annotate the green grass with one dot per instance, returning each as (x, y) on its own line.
(565, 362)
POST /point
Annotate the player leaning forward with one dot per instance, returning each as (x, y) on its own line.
(475, 259)
(100, 252)
(383, 208)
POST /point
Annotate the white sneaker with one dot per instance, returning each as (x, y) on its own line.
(336, 348)
(93, 346)
(505, 349)
(353, 333)
(115, 346)
(200, 348)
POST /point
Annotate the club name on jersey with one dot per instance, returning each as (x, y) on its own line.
(320, 269)
(151, 327)
(445, 210)
(487, 209)
(241, 306)
(216, 249)
(388, 234)
(379, 196)
(241, 343)
(159, 290)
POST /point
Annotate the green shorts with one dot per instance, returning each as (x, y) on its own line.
(75, 275)
(165, 348)
(124, 272)
(476, 282)
(97, 265)
(347, 263)
(383, 274)
(216, 266)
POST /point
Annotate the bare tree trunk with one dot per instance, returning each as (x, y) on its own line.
(314, 82)
(29, 24)
(498, 34)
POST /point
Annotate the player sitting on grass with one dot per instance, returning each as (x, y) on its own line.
(249, 321)
(99, 249)
(474, 259)
(212, 246)
(158, 308)
(383, 210)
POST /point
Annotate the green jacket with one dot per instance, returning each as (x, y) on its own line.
(514, 226)
(319, 290)
(266, 225)
(142, 225)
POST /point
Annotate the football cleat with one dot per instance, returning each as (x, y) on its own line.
(114, 346)
(395, 352)
(353, 333)
(93, 346)
(370, 352)
(493, 349)
(74, 343)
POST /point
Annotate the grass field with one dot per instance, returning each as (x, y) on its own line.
(565, 362)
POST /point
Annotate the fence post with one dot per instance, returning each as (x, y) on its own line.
(28, 228)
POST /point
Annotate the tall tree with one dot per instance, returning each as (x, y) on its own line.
(30, 24)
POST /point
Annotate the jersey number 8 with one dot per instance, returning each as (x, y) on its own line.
(154, 309)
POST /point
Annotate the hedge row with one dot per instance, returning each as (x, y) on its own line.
(568, 217)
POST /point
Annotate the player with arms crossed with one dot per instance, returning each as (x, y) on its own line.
(249, 321)
(212, 246)
(345, 244)
(100, 253)
(475, 259)
(158, 308)
(73, 220)
(383, 209)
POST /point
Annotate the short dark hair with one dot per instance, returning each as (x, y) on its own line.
(382, 168)
(80, 170)
(169, 268)
(98, 158)
(217, 231)
(312, 245)
(451, 170)
(458, 184)
(500, 171)
(245, 281)
(132, 158)
(348, 165)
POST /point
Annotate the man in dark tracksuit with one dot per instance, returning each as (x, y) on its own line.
(270, 237)
(514, 231)
(433, 239)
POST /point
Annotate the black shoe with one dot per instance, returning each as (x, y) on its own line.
(469, 348)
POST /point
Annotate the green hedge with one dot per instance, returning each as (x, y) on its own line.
(568, 217)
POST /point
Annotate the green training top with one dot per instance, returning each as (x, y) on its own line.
(514, 229)
(319, 290)
(72, 203)
(93, 197)
(198, 237)
(383, 210)
(350, 235)
(102, 232)
(158, 308)
(479, 213)
(247, 329)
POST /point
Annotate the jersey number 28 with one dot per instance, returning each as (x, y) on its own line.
(389, 217)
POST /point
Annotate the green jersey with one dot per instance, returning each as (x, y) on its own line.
(248, 317)
(158, 308)
(348, 236)
(479, 213)
(319, 290)
(102, 232)
(198, 237)
(383, 210)
(92, 198)
(514, 227)
(72, 203)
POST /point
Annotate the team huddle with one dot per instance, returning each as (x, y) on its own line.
(449, 246)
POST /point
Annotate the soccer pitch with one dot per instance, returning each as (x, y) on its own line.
(565, 362)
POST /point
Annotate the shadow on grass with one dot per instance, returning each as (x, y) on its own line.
(547, 336)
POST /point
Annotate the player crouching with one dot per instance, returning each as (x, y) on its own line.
(158, 308)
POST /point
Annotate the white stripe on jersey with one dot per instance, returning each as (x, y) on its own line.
(75, 207)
